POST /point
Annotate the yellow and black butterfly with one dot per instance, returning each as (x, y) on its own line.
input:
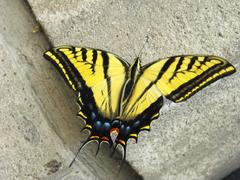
(116, 96)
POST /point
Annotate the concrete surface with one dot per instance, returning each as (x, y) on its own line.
(39, 129)
(197, 139)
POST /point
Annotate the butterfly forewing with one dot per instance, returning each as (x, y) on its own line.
(179, 77)
(94, 72)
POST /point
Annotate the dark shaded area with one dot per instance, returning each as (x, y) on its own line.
(235, 175)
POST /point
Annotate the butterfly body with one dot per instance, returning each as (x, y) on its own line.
(133, 74)
(115, 96)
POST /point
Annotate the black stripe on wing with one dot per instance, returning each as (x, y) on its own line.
(177, 67)
(94, 59)
(65, 67)
(105, 72)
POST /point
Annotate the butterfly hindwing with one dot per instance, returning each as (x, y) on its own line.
(143, 94)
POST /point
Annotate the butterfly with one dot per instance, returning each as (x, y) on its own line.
(115, 96)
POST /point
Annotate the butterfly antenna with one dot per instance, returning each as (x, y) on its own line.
(144, 44)
(85, 142)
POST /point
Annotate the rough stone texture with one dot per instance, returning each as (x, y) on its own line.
(197, 139)
(39, 130)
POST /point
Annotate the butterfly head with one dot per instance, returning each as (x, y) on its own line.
(137, 63)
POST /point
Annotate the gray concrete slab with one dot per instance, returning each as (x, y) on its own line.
(197, 139)
(39, 130)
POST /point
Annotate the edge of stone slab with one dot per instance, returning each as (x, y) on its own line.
(66, 172)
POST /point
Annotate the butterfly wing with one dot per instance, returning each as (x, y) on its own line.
(177, 78)
(180, 77)
(99, 76)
